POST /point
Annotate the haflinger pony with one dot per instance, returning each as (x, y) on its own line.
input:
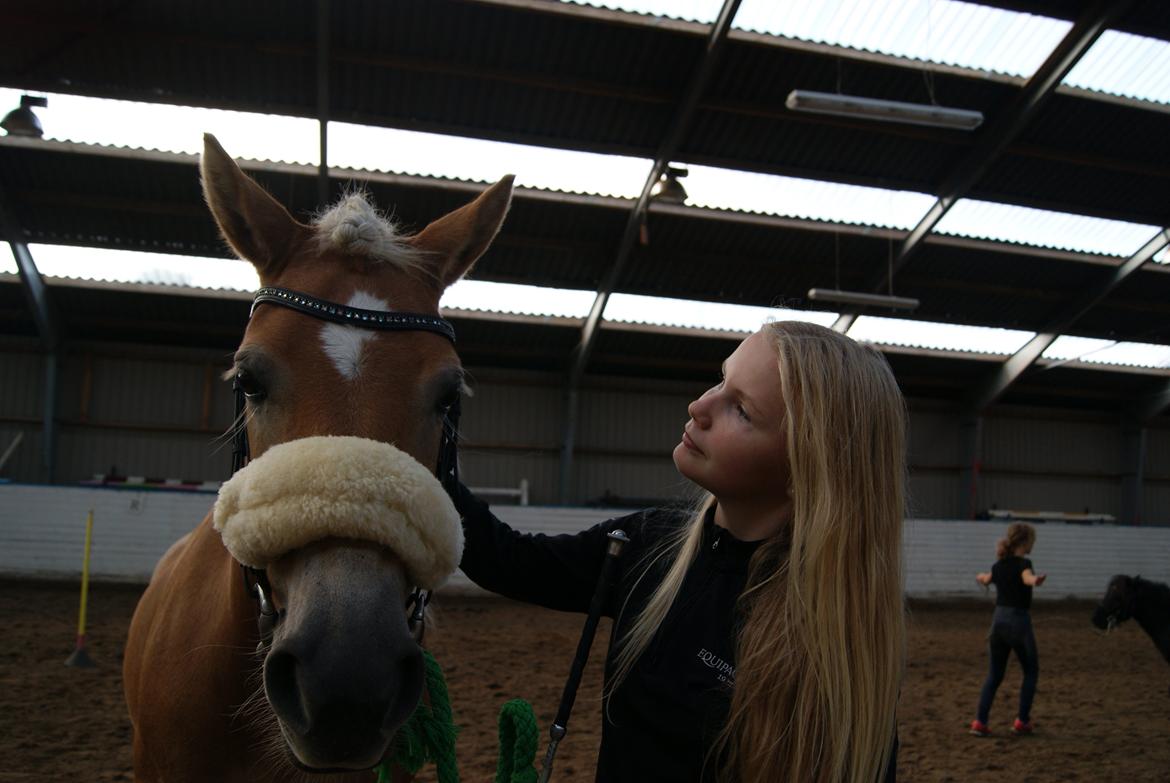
(345, 373)
(1146, 601)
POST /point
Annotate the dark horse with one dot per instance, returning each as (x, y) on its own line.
(1145, 601)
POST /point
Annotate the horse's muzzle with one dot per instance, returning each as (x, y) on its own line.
(340, 704)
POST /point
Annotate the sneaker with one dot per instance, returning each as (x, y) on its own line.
(1019, 727)
(979, 729)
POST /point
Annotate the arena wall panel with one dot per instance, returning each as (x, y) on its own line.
(25, 461)
(42, 534)
(933, 439)
(1156, 504)
(1158, 453)
(143, 414)
(1051, 493)
(21, 383)
(933, 493)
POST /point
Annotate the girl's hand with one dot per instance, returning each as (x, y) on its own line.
(983, 579)
(1040, 579)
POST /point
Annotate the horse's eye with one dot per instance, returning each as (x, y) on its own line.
(249, 384)
(448, 398)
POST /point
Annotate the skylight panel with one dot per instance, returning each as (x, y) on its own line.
(1043, 228)
(964, 35)
(1124, 64)
(296, 140)
(432, 154)
(939, 336)
(689, 314)
(127, 266)
(718, 188)
(1067, 348)
(7, 260)
(1162, 256)
(486, 296)
(1133, 355)
(691, 10)
(170, 128)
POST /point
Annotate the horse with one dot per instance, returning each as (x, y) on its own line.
(307, 663)
(1146, 601)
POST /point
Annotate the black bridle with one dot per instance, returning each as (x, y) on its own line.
(447, 469)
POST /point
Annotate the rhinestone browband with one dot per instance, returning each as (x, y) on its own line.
(353, 316)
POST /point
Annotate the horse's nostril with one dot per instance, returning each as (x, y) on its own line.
(281, 671)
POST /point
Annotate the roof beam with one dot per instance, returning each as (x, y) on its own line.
(30, 277)
(679, 126)
(666, 150)
(1010, 371)
(1144, 409)
(48, 328)
(1008, 123)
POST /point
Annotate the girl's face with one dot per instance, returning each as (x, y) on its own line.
(734, 444)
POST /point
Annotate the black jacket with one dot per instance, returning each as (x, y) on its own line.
(662, 719)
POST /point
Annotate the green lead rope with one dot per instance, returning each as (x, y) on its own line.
(518, 739)
(429, 736)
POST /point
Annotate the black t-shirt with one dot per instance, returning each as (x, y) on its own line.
(1010, 590)
(662, 719)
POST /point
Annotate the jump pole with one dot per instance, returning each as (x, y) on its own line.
(80, 658)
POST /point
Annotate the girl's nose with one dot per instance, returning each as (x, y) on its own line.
(699, 411)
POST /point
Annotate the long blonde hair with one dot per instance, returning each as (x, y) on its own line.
(820, 653)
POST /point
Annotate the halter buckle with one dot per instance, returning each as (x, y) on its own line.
(416, 605)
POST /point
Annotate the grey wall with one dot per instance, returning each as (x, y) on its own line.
(42, 533)
(144, 413)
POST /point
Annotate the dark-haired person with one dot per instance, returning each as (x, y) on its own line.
(1011, 625)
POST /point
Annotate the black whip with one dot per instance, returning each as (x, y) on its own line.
(617, 539)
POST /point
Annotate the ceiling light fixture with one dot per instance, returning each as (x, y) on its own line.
(22, 121)
(862, 299)
(883, 110)
(668, 189)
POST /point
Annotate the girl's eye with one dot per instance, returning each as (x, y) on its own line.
(743, 414)
(250, 386)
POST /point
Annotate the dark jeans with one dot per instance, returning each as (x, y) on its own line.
(1011, 629)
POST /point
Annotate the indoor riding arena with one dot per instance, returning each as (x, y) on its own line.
(276, 276)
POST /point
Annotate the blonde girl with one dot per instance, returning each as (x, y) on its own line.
(759, 638)
(1011, 625)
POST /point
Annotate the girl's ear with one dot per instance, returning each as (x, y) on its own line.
(255, 224)
(457, 239)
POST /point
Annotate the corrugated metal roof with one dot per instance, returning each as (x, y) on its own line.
(1080, 349)
(127, 199)
(938, 336)
(1044, 228)
(965, 35)
(1124, 64)
(530, 73)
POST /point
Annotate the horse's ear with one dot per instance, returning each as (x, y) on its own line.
(458, 238)
(255, 224)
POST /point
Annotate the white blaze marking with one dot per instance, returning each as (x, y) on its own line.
(344, 344)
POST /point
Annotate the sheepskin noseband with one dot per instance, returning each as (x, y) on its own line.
(313, 488)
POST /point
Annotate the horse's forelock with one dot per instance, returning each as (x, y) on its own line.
(353, 225)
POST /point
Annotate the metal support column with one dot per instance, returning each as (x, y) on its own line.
(46, 320)
(323, 100)
(970, 463)
(1133, 463)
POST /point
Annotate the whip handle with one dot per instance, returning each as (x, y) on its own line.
(617, 539)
